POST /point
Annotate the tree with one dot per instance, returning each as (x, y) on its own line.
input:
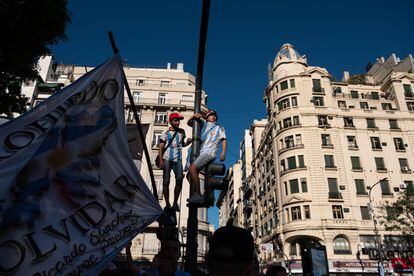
(400, 213)
(28, 28)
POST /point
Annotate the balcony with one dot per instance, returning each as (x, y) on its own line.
(160, 102)
(340, 223)
(319, 90)
(290, 147)
(335, 195)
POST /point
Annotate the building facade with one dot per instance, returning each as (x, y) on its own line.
(326, 143)
(157, 92)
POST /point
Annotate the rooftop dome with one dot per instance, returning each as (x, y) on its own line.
(287, 53)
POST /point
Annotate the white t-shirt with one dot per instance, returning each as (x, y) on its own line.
(174, 151)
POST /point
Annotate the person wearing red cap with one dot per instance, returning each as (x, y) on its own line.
(170, 157)
(212, 134)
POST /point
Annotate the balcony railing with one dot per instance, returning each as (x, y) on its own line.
(156, 101)
(335, 195)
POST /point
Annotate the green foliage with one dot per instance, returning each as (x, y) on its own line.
(400, 213)
(357, 79)
(28, 27)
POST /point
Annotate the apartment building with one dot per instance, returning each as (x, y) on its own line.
(326, 143)
(157, 92)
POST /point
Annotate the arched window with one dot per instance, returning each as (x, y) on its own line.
(341, 246)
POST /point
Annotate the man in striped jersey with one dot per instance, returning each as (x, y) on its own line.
(170, 155)
(211, 135)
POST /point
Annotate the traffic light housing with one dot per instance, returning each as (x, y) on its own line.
(214, 180)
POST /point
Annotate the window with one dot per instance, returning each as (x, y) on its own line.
(161, 118)
(318, 101)
(291, 163)
(386, 106)
(306, 211)
(333, 189)
(140, 83)
(348, 122)
(342, 104)
(130, 117)
(136, 96)
(360, 187)
(326, 140)
(337, 90)
(356, 163)
(289, 142)
(323, 120)
(379, 162)
(410, 106)
(298, 138)
(376, 143)
(294, 249)
(399, 144)
(365, 213)
(301, 161)
(284, 85)
(393, 124)
(341, 246)
(283, 104)
(371, 123)
(337, 212)
(374, 95)
(329, 161)
(317, 85)
(162, 98)
(408, 91)
(363, 105)
(304, 185)
(294, 101)
(292, 83)
(354, 94)
(286, 188)
(296, 213)
(287, 122)
(352, 143)
(156, 138)
(296, 120)
(385, 187)
(294, 186)
(404, 164)
(165, 83)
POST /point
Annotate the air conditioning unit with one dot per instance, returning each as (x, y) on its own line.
(405, 169)
(403, 186)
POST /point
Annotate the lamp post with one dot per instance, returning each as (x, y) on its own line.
(377, 236)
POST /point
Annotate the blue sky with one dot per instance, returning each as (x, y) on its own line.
(243, 37)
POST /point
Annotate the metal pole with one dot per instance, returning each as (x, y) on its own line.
(192, 222)
(136, 117)
(376, 231)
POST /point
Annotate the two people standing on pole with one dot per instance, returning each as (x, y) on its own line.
(170, 158)
(212, 134)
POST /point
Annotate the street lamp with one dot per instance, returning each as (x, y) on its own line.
(377, 237)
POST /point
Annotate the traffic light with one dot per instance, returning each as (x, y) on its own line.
(214, 180)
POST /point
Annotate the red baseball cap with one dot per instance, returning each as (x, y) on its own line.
(175, 115)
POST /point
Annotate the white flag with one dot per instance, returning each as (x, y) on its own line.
(70, 195)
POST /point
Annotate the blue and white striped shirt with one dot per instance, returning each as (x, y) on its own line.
(174, 151)
(211, 135)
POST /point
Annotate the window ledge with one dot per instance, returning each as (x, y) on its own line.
(396, 129)
(389, 111)
(353, 148)
(324, 126)
(336, 199)
(376, 149)
(349, 127)
(327, 146)
(321, 106)
(298, 146)
(382, 170)
(357, 170)
(331, 168)
(368, 110)
(406, 171)
(372, 128)
(400, 150)
(362, 195)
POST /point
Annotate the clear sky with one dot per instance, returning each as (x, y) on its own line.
(243, 37)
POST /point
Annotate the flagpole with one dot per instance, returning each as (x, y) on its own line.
(136, 117)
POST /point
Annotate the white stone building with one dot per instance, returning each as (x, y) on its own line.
(325, 143)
